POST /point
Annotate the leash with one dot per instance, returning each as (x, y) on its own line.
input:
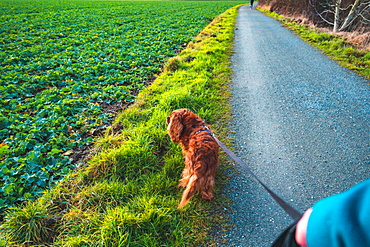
(292, 212)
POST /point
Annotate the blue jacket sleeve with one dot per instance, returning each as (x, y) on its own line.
(342, 220)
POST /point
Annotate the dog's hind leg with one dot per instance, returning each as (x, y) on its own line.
(191, 188)
(185, 178)
(206, 190)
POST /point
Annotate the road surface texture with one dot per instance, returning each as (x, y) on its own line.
(301, 122)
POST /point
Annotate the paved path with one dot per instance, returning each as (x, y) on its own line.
(302, 123)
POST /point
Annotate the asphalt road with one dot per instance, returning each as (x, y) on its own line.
(301, 122)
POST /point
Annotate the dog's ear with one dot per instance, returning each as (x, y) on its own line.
(175, 127)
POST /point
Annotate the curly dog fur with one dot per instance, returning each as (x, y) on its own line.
(200, 152)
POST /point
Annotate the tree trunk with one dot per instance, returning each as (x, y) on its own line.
(351, 16)
(336, 15)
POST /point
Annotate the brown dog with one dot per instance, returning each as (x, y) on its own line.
(200, 151)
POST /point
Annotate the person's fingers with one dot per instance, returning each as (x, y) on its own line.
(301, 230)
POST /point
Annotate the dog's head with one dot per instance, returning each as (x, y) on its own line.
(180, 122)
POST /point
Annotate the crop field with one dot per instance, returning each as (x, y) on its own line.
(65, 69)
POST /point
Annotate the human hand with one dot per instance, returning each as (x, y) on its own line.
(301, 229)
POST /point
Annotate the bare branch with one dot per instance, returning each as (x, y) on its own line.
(321, 15)
(352, 15)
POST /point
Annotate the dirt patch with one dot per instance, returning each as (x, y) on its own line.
(84, 153)
(113, 108)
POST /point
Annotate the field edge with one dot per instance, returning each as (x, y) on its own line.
(73, 213)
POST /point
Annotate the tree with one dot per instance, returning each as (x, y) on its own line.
(342, 14)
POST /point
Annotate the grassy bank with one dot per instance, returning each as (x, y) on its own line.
(67, 68)
(127, 194)
(335, 46)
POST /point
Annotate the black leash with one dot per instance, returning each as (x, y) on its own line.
(296, 215)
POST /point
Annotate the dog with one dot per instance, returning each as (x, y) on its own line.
(200, 151)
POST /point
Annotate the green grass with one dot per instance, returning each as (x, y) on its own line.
(127, 194)
(335, 46)
(62, 63)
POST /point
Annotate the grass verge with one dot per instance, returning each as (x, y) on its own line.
(127, 194)
(335, 46)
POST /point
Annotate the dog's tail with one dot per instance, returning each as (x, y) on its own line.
(191, 188)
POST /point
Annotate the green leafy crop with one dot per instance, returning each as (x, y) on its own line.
(61, 61)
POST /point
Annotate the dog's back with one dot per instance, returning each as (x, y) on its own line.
(200, 150)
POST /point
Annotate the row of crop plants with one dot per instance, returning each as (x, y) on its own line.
(63, 63)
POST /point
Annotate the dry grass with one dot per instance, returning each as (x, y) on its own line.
(338, 47)
(359, 38)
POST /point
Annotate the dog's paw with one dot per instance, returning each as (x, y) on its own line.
(207, 195)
